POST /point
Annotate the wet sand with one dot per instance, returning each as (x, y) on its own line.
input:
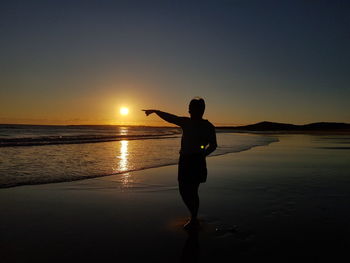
(286, 202)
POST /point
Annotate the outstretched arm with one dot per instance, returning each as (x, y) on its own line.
(166, 116)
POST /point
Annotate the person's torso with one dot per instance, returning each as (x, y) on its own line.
(195, 136)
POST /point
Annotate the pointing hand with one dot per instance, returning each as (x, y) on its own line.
(148, 112)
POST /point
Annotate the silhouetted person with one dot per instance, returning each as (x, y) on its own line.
(198, 141)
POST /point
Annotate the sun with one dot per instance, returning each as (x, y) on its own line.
(124, 111)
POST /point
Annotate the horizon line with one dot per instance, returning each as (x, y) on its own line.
(164, 126)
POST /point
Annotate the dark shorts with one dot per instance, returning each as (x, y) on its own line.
(192, 168)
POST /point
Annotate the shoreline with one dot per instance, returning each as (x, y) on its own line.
(84, 177)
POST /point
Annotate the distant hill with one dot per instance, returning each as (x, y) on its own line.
(275, 126)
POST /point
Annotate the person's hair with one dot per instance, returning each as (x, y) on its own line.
(197, 107)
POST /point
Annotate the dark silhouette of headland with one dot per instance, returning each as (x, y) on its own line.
(267, 126)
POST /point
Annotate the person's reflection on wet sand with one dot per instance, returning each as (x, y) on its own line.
(191, 249)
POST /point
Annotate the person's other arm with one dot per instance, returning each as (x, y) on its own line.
(166, 116)
(212, 142)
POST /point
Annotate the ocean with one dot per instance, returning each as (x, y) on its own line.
(37, 154)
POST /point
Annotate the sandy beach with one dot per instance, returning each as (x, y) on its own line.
(285, 202)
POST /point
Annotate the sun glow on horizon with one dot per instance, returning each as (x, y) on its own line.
(124, 111)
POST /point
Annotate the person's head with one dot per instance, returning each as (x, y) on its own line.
(196, 108)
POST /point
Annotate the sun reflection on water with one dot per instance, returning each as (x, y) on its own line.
(124, 163)
(123, 131)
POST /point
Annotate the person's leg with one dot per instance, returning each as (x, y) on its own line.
(195, 195)
(189, 194)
